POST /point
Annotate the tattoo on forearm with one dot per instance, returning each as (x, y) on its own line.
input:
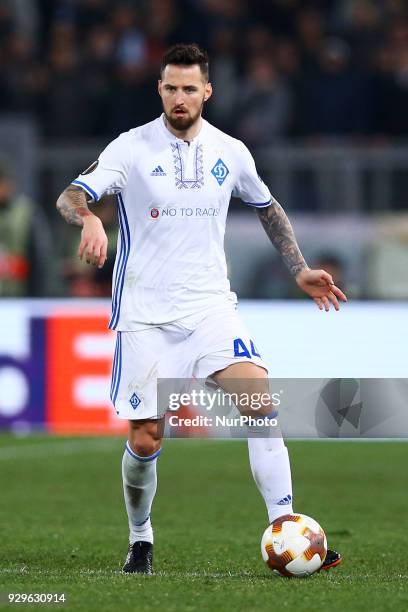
(280, 232)
(73, 206)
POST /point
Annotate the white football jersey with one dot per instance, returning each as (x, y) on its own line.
(173, 200)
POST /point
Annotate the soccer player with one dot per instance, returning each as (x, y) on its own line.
(173, 310)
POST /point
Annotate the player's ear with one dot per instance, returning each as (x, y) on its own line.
(207, 92)
(159, 85)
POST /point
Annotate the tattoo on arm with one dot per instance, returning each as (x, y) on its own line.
(280, 233)
(73, 206)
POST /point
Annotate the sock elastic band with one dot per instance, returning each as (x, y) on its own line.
(138, 457)
(142, 522)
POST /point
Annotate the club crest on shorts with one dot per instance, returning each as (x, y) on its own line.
(135, 401)
(220, 171)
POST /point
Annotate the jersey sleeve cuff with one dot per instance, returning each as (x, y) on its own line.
(258, 204)
(88, 189)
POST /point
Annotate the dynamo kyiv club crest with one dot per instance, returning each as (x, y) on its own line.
(220, 171)
(135, 401)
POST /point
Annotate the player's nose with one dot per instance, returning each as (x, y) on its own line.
(179, 101)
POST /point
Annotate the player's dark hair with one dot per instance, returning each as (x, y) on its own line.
(186, 55)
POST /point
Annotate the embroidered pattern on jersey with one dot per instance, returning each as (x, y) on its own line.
(181, 181)
(220, 171)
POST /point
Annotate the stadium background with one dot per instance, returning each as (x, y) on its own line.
(319, 92)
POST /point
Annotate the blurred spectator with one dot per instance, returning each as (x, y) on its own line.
(361, 22)
(230, 13)
(258, 41)
(392, 83)
(97, 73)
(287, 58)
(24, 14)
(310, 33)
(277, 14)
(92, 13)
(67, 110)
(26, 255)
(131, 42)
(6, 20)
(25, 81)
(335, 100)
(133, 84)
(264, 104)
(161, 21)
(223, 77)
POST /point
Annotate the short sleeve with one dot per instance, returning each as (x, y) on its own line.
(249, 187)
(110, 172)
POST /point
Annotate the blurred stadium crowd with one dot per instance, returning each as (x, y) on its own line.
(281, 68)
(294, 78)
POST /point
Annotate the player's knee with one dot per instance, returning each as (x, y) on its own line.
(249, 384)
(144, 445)
(145, 438)
(258, 396)
(146, 448)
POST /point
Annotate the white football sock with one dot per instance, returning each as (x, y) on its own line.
(139, 488)
(270, 467)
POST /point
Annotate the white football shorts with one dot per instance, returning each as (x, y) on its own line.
(195, 346)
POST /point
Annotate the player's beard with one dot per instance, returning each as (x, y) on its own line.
(183, 123)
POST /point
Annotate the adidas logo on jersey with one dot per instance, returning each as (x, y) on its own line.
(158, 171)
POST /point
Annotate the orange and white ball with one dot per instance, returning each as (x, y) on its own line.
(294, 545)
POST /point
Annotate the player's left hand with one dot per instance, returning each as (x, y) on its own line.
(321, 288)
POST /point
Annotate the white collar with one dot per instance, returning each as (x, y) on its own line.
(170, 136)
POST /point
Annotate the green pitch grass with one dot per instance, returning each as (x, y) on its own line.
(63, 527)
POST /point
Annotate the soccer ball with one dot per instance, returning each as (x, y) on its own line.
(294, 545)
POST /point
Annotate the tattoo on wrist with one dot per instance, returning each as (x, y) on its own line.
(72, 205)
(280, 232)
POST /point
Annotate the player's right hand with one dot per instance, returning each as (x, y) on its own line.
(94, 242)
